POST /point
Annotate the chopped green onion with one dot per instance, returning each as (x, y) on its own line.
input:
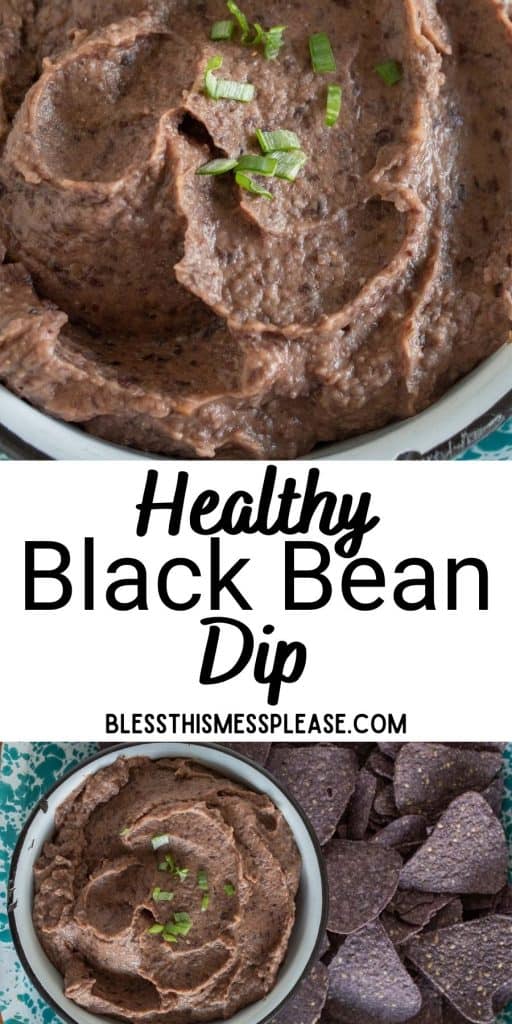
(274, 41)
(322, 57)
(243, 23)
(156, 929)
(245, 182)
(242, 92)
(229, 889)
(124, 832)
(168, 937)
(280, 140)
(289, 165)
(163, 866)
(158, 841)
(210, 82)
(181, 873)
(222, 30)
(257, 164)
(205, 902)
(390, 71)
(334, 101)
(202, 880)
(161, 896)
(216, 167)
(180, 926)
(259, 35)
(224, 89)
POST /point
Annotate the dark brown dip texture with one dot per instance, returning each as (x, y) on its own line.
(94, 883)
(180, 315)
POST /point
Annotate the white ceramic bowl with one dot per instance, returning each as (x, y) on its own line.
(468, 412)
(311, 900)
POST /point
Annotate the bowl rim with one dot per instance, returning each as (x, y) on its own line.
(112, 748)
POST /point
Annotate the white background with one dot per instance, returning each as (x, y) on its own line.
(450, 672)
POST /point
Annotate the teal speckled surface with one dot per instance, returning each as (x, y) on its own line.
(27, 771)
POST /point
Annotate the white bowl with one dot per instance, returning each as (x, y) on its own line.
(471, 410)
(312, 900)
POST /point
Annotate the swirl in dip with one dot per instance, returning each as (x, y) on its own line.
(180, 314)
(167, 893)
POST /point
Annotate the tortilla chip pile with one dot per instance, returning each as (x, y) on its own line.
(420, 917)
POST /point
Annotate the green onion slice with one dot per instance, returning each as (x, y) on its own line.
(245, 182)
(210, 82)
(216, 167)
(168, 937)
(205, 902)
(289, 165)
(229, 889)
(202, 880)
(243, 23)
(181, 924)
(222, 30)
(334, 101)
(274, 41)
(390, 71)
(322, 57)
(181, 873)
(265, 165)
(280, 140)
(156, 929)
(158, 841)
(242, 92)
(161, 896)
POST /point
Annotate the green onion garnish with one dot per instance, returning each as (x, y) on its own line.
(216, 167)
(245, 182)
(158, 841)
(334, 101)
(224, 89)
(265, 165)
(274, 41)
(229, 889)
(202, 880)
(181, 873)
(222, 30)
(124, 832)
(205, 902)
(280, 140)
(322, 57)
(161, 896)
(289, 165)
(181, 925)
(390, 71)
(156, 929)
(168, 937)
(210, 82)
(242, 92)
(243, 23)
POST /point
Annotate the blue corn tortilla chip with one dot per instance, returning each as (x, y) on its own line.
(322, 779)
(494, 795)
(428, 776)
(466, 853)
(259, 752)
(361, 804)
(403, 833)
(380, 764)
(307, 1002)
(363, 878)
(449, 915)
(384, 807)
(431, 1011)
(470, 964)
(368, 982)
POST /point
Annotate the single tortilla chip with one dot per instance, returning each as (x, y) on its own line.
(308, 1000)
(413, 908)
(363, 878)
(428, 776)
(466, 853)
(368, 982)
(403, 832)
(470, 964)
(321, 778)
(259, 752)
(361, 804)
(431, 1011)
